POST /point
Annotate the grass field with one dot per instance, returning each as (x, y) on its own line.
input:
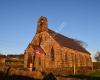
(95, 75)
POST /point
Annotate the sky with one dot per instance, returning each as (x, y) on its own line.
(78, 19)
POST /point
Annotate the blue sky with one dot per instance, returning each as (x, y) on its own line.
(18, 18)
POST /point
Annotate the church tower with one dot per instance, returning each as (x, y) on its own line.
(42, 24)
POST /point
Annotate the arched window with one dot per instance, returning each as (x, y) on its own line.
(30, 58)
(40, 40)
(52, 54)
(65, 57)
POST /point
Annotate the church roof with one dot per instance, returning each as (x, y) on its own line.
(67, 42)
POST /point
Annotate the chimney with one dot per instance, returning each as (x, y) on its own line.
(42, 24)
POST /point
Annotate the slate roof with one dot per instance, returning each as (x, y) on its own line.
(66, 41)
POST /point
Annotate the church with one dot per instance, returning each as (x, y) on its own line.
(54, 52)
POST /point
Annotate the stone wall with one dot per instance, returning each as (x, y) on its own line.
(2, 60)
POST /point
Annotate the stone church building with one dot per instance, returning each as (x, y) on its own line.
(51, 51)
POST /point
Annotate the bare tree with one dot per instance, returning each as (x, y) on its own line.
(97, 56)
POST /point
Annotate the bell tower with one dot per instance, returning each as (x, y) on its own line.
(42, 24)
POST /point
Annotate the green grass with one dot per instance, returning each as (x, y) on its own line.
(95, 75)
